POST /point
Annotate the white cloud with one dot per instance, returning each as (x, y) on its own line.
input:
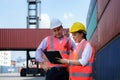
(45, 21)
(68, 15)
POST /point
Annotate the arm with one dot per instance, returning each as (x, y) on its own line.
(67, 61)
(40, 49)
(83, 60)
(39, 54)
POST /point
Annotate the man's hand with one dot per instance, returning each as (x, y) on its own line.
(44, 66)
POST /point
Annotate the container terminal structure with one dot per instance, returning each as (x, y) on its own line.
(103, 29)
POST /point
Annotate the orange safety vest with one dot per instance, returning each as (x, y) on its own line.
(81, 72)
(64, 48)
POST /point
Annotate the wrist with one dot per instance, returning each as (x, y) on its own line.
(68, 61)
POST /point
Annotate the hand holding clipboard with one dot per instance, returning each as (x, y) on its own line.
(52, 56)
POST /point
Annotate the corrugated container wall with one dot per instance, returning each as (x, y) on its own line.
(22, 38)
(90, 11)
(106, 65)
(108, 25)
(92, 25)
(106, 39)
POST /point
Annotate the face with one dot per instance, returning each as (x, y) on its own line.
(77, 37)
(58, 32)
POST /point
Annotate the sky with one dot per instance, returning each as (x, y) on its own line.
(13, 13)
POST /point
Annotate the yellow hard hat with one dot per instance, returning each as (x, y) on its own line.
(77, 26)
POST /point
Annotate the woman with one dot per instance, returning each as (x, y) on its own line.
(82, 57)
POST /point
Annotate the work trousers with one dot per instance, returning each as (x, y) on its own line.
(57, 73)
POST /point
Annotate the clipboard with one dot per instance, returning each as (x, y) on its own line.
(51, 55)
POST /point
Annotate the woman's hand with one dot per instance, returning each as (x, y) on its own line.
(64, 61)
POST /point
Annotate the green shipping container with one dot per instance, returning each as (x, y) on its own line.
(92, 25)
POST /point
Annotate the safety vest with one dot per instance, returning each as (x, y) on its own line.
(64, 47)
(81, 72)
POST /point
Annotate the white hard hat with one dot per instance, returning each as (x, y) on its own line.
(55, 23)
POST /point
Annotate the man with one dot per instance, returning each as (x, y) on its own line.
(51, 43)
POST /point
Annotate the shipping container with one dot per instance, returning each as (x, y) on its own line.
(102, 5)
(22, 38)
(106, 64)
(92, 25)
(106, 40)
(108, 26)
(90, 11)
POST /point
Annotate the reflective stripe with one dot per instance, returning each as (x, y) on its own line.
(51, 43)
(80, 51)
(64, 52)
(82, 74)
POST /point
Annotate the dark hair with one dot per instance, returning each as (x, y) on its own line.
(61, 26)
(83, 32)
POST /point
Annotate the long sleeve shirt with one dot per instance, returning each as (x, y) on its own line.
(43, 46)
